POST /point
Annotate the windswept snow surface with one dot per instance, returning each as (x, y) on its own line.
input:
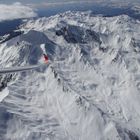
(91, 89)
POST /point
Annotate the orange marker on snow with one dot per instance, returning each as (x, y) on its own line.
(46, 58)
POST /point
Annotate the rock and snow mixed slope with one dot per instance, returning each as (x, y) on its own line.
(91, 90)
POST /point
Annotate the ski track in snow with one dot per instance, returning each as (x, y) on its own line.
(89, 91)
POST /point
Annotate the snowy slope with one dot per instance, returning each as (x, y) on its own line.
(91, 89)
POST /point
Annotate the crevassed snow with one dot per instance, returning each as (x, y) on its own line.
(91, 89)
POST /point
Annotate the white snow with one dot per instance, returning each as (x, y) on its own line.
(91, 88)
(4, 94)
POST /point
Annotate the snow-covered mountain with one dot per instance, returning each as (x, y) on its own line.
(91, 89)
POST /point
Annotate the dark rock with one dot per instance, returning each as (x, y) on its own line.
(76, 34)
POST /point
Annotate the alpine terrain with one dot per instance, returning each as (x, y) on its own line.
(89, 91)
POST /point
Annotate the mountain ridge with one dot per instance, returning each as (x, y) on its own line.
(91, 88)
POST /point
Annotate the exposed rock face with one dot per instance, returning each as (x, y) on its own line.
(75, 34)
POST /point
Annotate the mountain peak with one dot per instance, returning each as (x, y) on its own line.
(91, 85)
